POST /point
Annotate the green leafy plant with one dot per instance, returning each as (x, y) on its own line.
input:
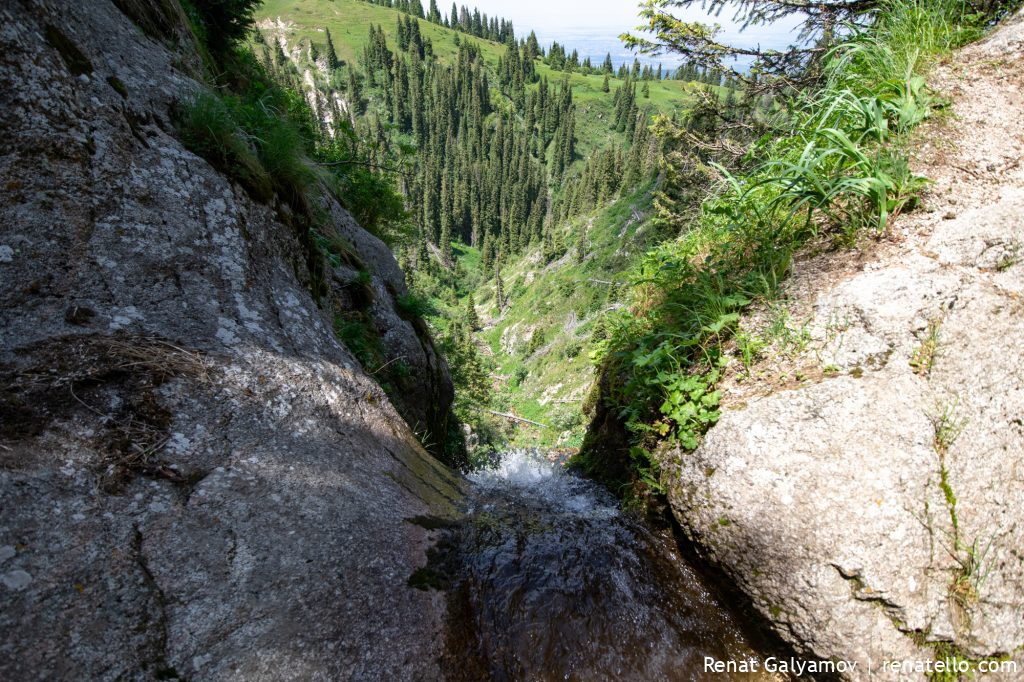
(749, 346)
(647, 469)
(414, 306)
(360, 338)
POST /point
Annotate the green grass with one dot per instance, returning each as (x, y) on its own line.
(350, 21)
(837, 170)
(208, 127)
(547, 383)
(360, 338)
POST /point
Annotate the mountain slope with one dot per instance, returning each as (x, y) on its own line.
(349, 21)
(538, 344)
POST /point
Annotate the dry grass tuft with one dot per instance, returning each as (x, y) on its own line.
(108, 383)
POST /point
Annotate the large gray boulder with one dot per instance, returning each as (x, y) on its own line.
(197, 480)
(865, 484)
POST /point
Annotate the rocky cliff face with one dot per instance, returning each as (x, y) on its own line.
(197, 479)
(865, 484)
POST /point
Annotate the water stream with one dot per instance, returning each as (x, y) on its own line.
(551, 581)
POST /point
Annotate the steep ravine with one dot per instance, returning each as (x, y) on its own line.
(198, 480)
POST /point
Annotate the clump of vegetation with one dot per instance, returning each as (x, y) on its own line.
(970, 557)
(923, 358)
(76, 61)
(360, 338)
(208, 128)
(828, 165)
(414, 306)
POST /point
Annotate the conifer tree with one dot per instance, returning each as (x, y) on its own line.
(447, 256)
(332, 56)
(486, 255)
(499, 290)
(280, 59)
(472, 320)
(355, 99)
(605, 86)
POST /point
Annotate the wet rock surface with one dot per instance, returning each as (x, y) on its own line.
(548, 579)
(197, 479)
(872, 506)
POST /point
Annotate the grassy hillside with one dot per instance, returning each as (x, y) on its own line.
(537, 347)
(349, 22)
(542, 342)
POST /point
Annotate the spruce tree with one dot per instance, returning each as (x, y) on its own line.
(447, 255)
(332, 56)
(499, 290)
(472, 320)
(355, 99)
(486, 255)
(605, 85)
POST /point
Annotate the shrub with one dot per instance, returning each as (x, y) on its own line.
(413, 306)
(360, 338)
(537, 340)
(207, 127)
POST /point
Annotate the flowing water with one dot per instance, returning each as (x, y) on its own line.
(549, 580)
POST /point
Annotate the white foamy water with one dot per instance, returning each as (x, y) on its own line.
(528, 474)
(554, 581)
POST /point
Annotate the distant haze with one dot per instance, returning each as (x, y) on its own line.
(593, 26)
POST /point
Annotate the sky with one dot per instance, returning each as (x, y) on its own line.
(593, 26)
(547, 16)
(560, 14)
